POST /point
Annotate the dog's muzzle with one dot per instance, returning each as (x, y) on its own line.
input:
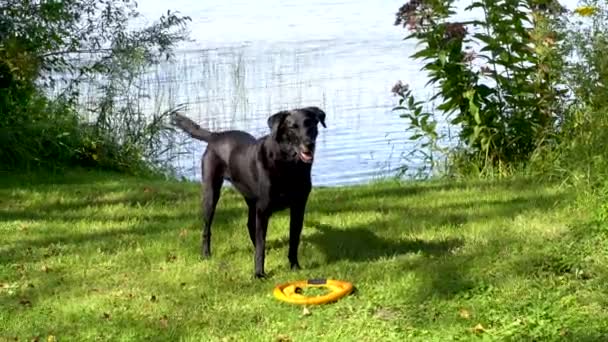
(306, 154)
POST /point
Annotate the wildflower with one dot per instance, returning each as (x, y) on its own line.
(469, 56)
(414, 14)
(549, 7)
(585, 11)
(407, 11)
(399, 88)
(485, 70)
(455, 31)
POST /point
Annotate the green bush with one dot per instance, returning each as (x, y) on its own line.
(536, 99)
(38, 43)
(579, 157)
(503, 109)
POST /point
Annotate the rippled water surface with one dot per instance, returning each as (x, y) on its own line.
(250, 59)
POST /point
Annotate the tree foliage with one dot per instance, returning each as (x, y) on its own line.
(50, 45)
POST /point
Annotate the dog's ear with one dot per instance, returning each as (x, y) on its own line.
(275, 121)
(320, 114)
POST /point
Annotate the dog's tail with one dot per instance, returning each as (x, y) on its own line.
(191, 127)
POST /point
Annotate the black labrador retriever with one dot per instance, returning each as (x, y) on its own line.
(272, 173)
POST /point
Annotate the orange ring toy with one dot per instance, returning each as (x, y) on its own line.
(288, 292)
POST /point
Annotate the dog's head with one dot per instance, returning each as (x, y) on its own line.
(296, 131)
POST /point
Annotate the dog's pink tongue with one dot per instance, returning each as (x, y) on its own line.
(306, 156)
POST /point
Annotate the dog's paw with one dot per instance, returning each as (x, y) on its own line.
(261, 275)
(295, 266)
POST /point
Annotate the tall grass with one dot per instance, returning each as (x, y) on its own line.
(238, 88)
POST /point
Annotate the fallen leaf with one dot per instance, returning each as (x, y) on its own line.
(464, 313)
(183, 233)
(283, 338)
(35, 339)
(478, 329)
(164, 322)
(306, 312)
(171, 257)
(51, 338)
(45, 268)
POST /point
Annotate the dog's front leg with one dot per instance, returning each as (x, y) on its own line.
(261, 227)
(296, 222)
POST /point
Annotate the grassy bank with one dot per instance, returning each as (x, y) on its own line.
(99, 256)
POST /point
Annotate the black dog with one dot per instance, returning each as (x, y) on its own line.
(272, 173)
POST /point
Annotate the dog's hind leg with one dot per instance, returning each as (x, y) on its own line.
(251, 220)
(296, 221)
(261, 227)
(212, 185)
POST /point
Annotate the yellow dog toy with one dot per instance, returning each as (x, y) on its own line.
(288, 292)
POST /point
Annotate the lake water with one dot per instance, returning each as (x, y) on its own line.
(251, 59)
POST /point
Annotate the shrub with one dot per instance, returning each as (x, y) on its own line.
(57, 45)
(504, 99)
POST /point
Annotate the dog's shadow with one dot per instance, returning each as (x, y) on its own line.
(359, 244)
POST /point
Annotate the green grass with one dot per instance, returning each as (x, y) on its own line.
(100, 256)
